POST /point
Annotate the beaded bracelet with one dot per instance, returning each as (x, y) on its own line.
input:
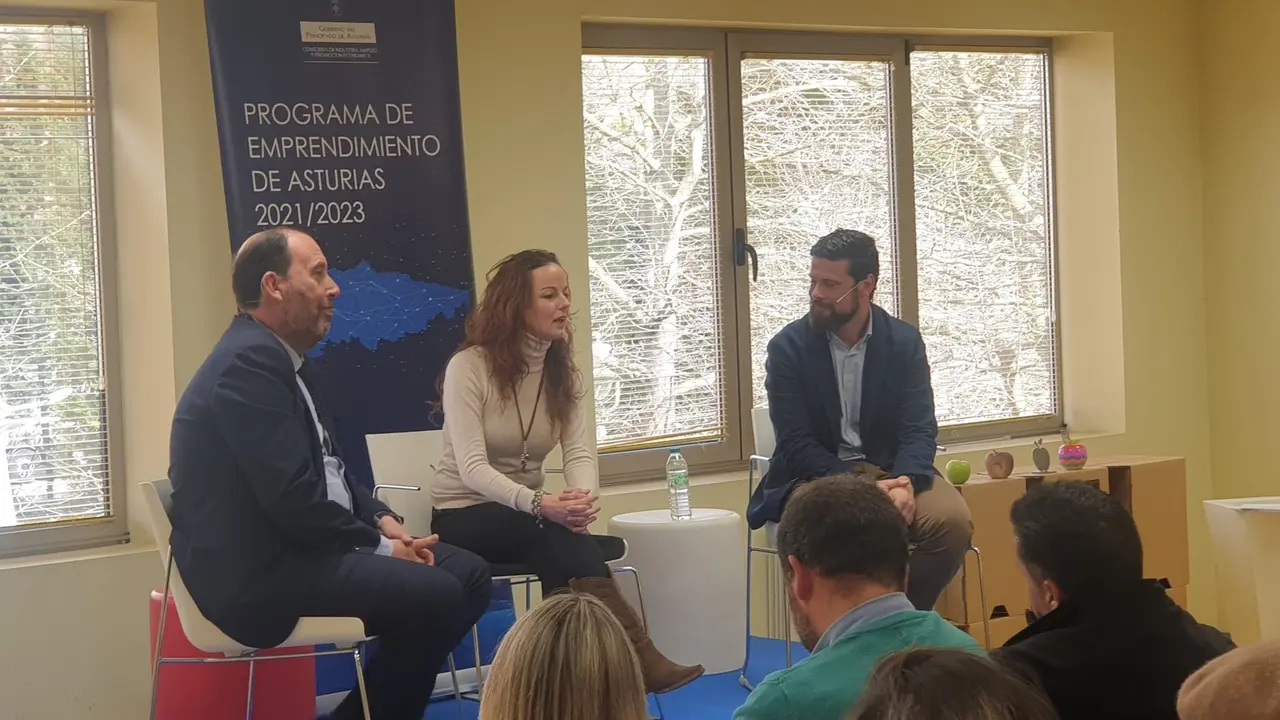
(536, 508)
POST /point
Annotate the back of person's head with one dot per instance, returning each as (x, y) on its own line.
(844, 528)
(1076, 537)
(567, 659)
(1244, 684)
(946, 684)
(856, 248)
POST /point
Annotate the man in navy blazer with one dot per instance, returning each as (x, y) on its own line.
(267, 525)
(849, 391)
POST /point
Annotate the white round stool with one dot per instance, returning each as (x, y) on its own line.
(695, 583)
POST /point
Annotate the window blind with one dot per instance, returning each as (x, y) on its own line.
(654, 254)
(53, 419)
(984, 240)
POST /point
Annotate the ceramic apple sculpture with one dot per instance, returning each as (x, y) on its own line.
(958, 472)
(1072, 455)
(999, 465)
(1040, 456)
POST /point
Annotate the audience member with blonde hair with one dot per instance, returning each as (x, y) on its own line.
(946, 684)
(1244, 684)
(568, 659)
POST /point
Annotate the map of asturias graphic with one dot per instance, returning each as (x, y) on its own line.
(383, 307)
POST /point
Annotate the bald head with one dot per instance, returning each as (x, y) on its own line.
(281, 278)
(264, 252)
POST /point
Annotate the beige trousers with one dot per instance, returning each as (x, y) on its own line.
(939, 537)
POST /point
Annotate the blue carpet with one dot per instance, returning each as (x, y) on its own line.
(711, 697)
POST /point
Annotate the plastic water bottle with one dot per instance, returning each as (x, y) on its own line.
(678, 486)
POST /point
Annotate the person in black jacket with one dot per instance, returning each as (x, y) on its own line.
(269, 528)
(1103, 642)
(850, 392)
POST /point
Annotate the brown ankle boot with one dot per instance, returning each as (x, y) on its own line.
(660, 674)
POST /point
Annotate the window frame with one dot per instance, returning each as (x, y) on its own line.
(113, 528)
(726, 49)
(621, 467)
(1040, 424)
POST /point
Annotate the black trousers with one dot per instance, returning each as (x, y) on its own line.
(500, 534)
(418, 612)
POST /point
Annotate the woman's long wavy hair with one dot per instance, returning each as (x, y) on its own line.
(497, 326)
(567, 659)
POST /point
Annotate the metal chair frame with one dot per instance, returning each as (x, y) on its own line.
(252, 657)
(157, 505)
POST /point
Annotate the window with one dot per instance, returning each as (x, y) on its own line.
(704, 147)
(55, 479)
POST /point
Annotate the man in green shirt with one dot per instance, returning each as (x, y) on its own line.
(843, 547)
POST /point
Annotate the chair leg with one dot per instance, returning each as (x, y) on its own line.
(786, 623)
(364, 692)
(746, 654)
(155, 688)
(628, 569)
(248, 703)
(475, 645)
(457, 689)
(164, 616)
(982, 599)
(453, 676)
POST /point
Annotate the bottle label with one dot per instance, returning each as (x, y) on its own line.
(678, 479)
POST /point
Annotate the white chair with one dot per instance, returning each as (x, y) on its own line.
(345, 633)
(404, 462)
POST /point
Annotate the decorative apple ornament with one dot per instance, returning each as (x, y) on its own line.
(958, 472)
(1040, 456)
(999, 465)
(1072, 455)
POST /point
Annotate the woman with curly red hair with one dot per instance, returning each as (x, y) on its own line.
(510, 395)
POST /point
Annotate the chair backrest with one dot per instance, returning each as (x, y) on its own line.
(762, 429)
(407, 458)
(157, 496)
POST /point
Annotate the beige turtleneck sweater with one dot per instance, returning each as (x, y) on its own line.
(483, 436)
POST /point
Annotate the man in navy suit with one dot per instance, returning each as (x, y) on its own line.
(849, 392)
(268, 527)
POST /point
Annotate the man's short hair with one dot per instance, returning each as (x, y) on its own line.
(268, 251)
(1077, 536)
(857, 249)
(845, 527)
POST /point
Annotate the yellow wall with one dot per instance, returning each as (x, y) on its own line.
(525, 178)
(519, 64)
(1242, 215)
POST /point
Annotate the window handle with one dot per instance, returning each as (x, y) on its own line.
(742, 250)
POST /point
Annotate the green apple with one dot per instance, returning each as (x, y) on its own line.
(958, 472)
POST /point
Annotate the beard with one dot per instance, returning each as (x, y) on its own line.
(804, 624)
(827, 319)
(305, 326)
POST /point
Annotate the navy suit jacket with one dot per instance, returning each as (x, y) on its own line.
(898, 429)
(250, 506)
